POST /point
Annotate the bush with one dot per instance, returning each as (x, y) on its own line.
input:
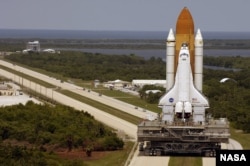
(45, 124)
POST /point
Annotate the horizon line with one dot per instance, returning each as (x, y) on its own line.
(114, 30)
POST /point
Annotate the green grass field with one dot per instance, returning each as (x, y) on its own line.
(103, 107)
(114, 158)
(185, 161)
(128, 98)
(242, 138)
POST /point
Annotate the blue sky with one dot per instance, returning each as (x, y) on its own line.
(138, 15)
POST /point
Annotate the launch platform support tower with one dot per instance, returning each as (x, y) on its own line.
(33, 46)
(183, 127)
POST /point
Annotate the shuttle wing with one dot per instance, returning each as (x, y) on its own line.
(196, 97)
(171, 97)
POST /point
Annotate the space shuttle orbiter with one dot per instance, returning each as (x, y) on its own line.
(184, 98)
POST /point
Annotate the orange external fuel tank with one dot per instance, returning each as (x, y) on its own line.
(185, 34)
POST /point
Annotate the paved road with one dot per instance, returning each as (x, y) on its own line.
(79, 90)
(149, 160)
(234, 145)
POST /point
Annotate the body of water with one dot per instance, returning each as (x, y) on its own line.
(161, 53)
(84, 34)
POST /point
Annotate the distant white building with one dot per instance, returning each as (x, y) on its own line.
(141, 83)
(117, 84)
(32, 47)
(11, 94)
(6, 90)
(96, 83)
(49, 50)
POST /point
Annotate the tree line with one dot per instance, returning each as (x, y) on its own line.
(89, 66)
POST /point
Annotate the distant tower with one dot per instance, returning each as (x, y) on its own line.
(33, 46)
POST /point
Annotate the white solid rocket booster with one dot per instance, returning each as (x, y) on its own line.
(198, 68)
(170, 59)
